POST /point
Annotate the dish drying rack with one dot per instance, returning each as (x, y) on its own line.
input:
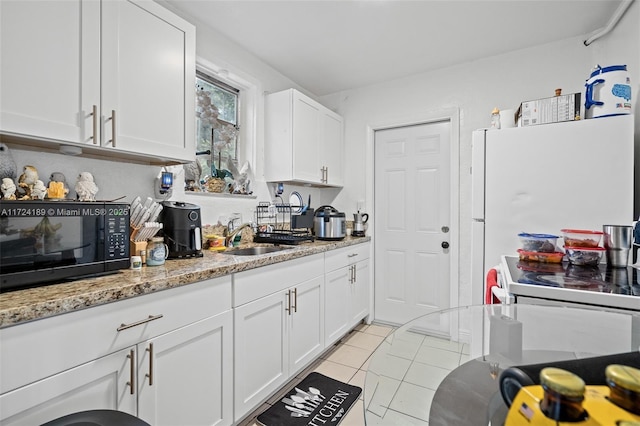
(274, 223)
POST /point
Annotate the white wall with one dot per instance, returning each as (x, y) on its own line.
(475, 88)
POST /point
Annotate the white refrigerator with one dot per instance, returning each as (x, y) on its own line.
(541, 179)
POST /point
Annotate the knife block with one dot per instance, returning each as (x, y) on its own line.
(135, 246)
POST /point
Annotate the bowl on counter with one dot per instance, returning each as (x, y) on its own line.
(581, 238)
(584, 256)
(541, 243)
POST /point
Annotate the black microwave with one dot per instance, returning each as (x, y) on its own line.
(42, 242)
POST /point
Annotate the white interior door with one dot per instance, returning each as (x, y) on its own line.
(412, 226)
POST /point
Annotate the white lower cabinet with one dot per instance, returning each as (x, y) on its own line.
(347, 286)
(278, 334)
(166, 358)
(185, 376)
(102, 383)
(202, 354)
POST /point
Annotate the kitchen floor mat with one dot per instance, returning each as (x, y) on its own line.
(316, 400)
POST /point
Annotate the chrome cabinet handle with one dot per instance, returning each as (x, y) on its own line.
(132, 371)
(95, 124)
(326, 174)
(355, 273)
(113, 128)
(288, 308)
(295, 300)
(150, 318)
(352, 255)
(150, 375)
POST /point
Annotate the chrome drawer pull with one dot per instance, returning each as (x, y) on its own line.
(124, 326)
(114, 128)
(132, 371)
(95, 124)
(150, 375)
(352, 255)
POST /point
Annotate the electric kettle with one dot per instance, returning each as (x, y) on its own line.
(359, 219)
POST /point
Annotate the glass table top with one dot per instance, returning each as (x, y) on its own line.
(443, 368)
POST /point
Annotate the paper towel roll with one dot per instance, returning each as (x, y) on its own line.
(507, 118)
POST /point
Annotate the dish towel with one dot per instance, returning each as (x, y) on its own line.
(492, 281)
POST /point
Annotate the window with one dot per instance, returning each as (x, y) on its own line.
(217, 125)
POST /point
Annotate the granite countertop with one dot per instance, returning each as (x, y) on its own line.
(41, 302)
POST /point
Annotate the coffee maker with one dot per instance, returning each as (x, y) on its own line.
(182, 229)
(359, 219)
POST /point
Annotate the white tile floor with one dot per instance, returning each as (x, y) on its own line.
(347, 361)
(405, 382)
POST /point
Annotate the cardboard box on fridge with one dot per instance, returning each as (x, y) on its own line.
(551, 110)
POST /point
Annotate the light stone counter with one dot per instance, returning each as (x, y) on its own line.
(41, 302)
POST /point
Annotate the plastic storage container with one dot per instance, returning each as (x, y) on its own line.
(542, 243)
(535, 256)
(581, 238)
(584, 255)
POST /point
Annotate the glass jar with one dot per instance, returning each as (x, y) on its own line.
(563, 395)
(495, 118)
(157, 251)
(624, 387)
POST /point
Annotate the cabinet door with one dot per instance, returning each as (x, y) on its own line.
(260, 350)
(359, 289)
(185, 376)
(50, 69)
(100, 384)
(306, 325)
(306, 139)
(148, 80)
(336, 302)
(332, 148)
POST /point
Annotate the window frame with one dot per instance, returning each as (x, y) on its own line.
(231, 152)
(247, 111)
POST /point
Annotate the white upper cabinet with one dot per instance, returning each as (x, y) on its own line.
(303, 141)
(113, 75)
(50, 69)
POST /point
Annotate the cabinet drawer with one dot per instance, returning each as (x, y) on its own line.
(41, 348)
(336, 259)
(260, 282)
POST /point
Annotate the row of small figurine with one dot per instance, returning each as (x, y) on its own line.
(30, 187)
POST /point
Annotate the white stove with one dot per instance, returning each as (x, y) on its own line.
(597, 286)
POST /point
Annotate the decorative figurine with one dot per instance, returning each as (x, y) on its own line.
(85, 188)
(58, 188)
(192, 173)
(7, 165)
(240, 185)
(26, 181)
(8, 189)
(39, 191)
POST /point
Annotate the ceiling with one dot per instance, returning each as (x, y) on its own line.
(327, 46)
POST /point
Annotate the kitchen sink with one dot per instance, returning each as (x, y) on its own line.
(254, 251)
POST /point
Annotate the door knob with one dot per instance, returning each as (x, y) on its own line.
(445, 245)
(445, 229)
